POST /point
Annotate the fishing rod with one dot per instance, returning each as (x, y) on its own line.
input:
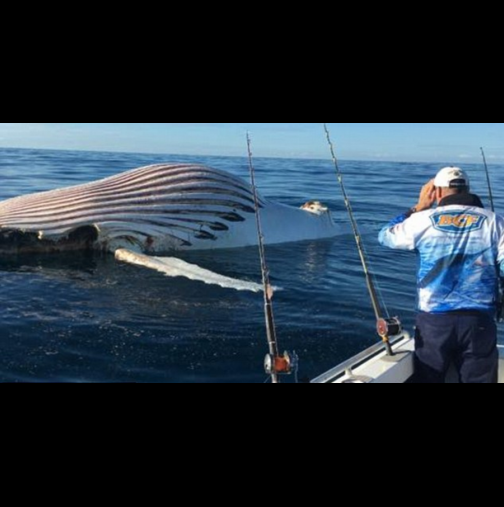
(500, 304)
(274, 364)
(490, 193)
(385, 326)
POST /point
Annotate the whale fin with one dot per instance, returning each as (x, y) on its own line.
(171, 266)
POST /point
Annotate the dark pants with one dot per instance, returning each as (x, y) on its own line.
(468, 341)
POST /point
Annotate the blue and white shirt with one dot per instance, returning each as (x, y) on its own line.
(461, 252)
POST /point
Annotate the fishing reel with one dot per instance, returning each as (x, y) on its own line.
(389, 327)
(281, 365)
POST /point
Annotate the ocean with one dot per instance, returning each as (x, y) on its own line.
(87, 318)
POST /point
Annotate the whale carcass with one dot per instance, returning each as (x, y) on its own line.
(159, 209)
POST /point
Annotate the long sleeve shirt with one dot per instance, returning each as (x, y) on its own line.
(461, 249)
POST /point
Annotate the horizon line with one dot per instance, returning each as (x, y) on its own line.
(328, 159)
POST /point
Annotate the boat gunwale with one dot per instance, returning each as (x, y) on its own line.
(356, 361)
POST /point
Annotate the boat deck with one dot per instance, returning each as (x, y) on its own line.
(373, 366)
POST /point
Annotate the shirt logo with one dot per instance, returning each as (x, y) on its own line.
(458, 222)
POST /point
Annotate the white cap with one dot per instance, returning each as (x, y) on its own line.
(451, 177)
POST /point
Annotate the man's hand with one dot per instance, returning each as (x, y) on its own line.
(427, 197)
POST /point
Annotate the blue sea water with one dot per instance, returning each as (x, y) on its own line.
(87, 318)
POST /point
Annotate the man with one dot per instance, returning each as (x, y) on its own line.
(461, 247)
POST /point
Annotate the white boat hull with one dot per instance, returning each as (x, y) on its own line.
(373, 366)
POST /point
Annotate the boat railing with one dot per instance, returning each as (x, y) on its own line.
(347, 367)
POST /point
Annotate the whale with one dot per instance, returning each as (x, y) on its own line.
(143, 214)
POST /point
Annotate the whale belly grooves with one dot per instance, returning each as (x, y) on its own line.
(157, 207)
(154, 210)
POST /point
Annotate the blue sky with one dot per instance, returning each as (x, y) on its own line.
(430, 142)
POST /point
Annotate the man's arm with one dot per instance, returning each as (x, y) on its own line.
(397, 234)
(500, 247)
(400, 233)
(500, 304)
(500, 261)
